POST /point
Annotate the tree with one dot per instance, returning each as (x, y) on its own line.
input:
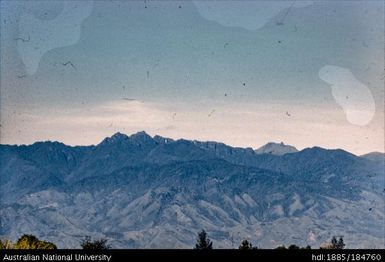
(293, 247)
(337, 244)
(340, 244)
(6, 244)
(281, 247)
(32, 242)
(203, 242)
(89, 244)
(334, 242)
(245, 245)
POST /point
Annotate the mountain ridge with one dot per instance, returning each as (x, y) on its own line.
(141, 191)
(159, 139)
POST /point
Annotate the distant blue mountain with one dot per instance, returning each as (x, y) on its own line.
(140, 191)
(375, 156)
(276, 149)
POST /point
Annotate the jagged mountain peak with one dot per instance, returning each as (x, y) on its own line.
(115, 138)
(119, 135)
(142, 135)
(139, 137)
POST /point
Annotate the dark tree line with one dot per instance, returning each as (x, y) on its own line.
(32, 242)
(202, 242)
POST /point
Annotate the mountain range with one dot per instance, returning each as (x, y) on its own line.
(140, 191)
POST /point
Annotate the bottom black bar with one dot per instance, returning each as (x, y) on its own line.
(114, 255)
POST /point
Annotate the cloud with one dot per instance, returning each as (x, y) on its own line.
(250, 15)
(354, 97)
(245, 125)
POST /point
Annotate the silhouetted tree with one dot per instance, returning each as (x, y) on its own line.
(293, 247)
(245, 245)
(203, 242)
(340, 244)
(89, 244)
(281, 247)
(334, 242)
(32, 242)
(337, 244)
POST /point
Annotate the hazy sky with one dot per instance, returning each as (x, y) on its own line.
(308, 73)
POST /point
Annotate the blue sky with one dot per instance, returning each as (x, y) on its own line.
(306, 72)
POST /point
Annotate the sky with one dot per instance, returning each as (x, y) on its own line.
(306, 73)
